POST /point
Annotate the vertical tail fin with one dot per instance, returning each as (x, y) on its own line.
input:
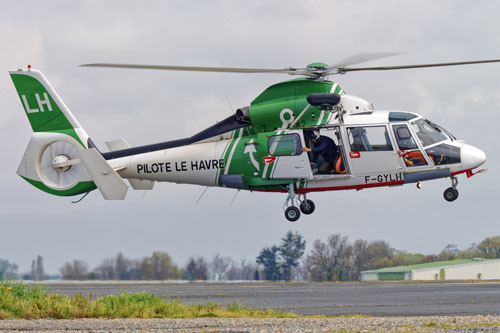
(51, 161)
(44, 108)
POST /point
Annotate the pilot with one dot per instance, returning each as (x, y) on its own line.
(325, 147)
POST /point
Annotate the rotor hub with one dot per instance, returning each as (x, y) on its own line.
(60, 163)
(318, 65)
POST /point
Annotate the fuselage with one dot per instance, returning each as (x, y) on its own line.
(378, 148)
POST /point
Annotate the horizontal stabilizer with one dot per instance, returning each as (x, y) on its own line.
(108, 181)
(141, 184)
(118, 144)
(137, 184)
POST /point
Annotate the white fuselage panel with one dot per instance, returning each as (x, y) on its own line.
(194, 164)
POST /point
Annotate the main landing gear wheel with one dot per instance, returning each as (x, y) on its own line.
(450, 194)
(307, 206)
(292, 213)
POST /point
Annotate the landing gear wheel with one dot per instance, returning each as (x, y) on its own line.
(307, 206)
(450, 194)
(292, 213)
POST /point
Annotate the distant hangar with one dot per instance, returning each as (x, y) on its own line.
(463, 269)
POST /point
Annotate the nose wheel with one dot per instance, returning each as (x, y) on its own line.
(451, 193)
(294, 204)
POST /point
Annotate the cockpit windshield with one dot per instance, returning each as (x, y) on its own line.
(427, 133)
(441, 130)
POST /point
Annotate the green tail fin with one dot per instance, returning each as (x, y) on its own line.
(51, 161)
(44, 108)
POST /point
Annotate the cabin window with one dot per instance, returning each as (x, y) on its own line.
(370, 138)
(285, 145)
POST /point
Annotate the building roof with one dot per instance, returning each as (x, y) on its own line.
(407, 269)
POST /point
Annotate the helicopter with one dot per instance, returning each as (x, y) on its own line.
(276, 144)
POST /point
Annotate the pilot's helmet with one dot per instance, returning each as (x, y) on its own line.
(315, 135)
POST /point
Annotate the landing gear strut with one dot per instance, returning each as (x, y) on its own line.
(451, 193)
(292, 212)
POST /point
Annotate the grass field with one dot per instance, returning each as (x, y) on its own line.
(20, 301)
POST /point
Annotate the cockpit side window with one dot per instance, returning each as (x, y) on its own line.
(409, 151)
(403, 137)
(444, 154)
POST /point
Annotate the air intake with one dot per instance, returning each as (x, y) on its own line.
(325, 101)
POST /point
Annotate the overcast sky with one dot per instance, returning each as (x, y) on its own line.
(152, 106)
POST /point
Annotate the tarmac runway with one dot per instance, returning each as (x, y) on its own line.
(347, 298)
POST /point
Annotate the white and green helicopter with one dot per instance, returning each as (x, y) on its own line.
(299, 136)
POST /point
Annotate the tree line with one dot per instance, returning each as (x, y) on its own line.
(338, 259)
(333, 259)
(159, 266)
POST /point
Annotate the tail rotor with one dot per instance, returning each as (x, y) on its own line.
(60, 166)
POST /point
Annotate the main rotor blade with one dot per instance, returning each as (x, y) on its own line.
(387, 68)
(293, 71)
(363, 57)
(311, 72)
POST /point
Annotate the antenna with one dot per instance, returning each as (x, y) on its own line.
(77, 201)
(229, 103)
(201, 196)
(234, 197)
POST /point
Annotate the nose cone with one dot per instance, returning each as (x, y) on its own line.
(472, 157)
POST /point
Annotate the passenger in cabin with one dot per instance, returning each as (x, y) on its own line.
(324, 153)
